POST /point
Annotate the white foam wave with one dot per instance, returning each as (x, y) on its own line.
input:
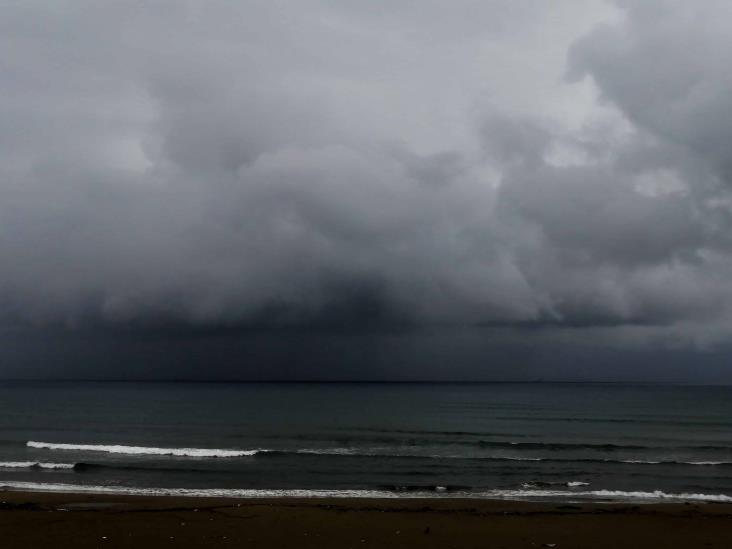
(214, 452)
(589, 495)
(659, 495)
(575, 483)
(614, 495)
(370, 452)
(34, 465)
(143, 450)
(188, 492)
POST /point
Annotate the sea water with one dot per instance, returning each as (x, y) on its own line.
(516, 441)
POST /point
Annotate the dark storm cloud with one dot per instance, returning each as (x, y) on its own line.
(183, 170)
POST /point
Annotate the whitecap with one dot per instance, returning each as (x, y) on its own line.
(34, 465)
(143, 450)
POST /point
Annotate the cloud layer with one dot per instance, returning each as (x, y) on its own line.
(555, 175)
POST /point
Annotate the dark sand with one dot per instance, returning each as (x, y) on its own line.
(38, 520)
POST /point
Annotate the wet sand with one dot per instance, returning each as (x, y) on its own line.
(40, 520)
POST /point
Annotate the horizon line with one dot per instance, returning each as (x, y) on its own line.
(365, 381)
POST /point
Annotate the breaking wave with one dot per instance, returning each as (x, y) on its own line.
(387, 453)
(612, 495)
(34, 465)
(435, 492)
(143, 450)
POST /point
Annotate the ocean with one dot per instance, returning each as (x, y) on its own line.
(563, 442)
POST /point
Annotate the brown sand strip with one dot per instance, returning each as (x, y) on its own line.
(37, 520)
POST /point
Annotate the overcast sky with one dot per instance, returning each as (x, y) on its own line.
(382, 189)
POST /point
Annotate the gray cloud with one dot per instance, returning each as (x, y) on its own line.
(523, 175)
(665, 67)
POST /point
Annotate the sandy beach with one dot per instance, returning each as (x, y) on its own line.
(39, 520)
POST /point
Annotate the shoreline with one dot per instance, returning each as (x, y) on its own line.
(42, 519)
(437, 493)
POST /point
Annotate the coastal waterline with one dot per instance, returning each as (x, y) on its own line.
(560, 441)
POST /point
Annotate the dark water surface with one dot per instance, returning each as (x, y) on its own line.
(564, 441)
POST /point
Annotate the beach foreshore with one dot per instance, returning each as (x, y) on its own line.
(38, 520)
